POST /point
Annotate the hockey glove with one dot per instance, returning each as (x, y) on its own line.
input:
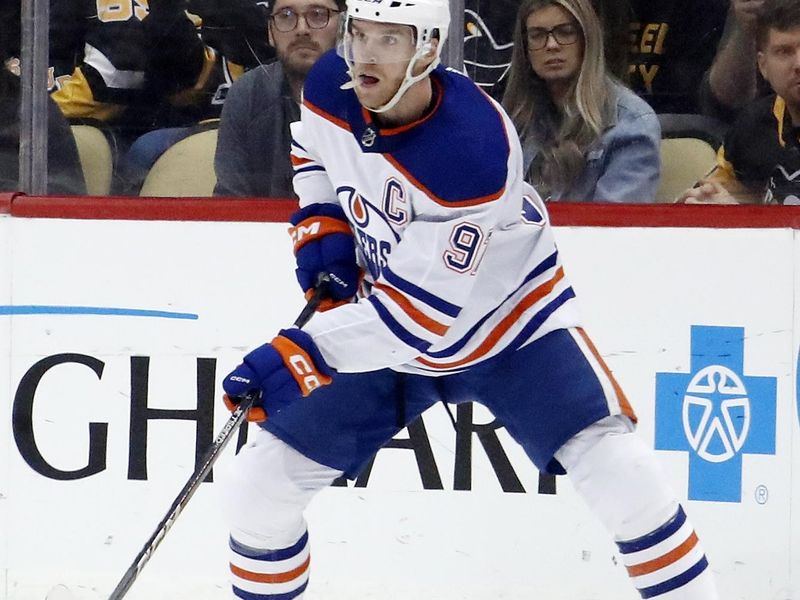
(324, 244)
(280, 372)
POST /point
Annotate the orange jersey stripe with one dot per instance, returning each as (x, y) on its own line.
(271, 577)
(437, 199)
(662, 561)
(327, 116)
(297, 161)
(504, 325)
(416, 315)
(626, 407)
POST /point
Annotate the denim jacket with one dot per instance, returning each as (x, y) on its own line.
(623, 164)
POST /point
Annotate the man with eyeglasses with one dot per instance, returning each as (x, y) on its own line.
(252, 155)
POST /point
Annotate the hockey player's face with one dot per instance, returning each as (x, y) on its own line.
(380, 54)
(555, 44)
(301, 31)
(779, 62)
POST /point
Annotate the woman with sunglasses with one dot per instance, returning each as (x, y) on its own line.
(585, 136)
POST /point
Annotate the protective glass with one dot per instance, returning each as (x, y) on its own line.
(365, 42)
(564, 35)
(317, 17)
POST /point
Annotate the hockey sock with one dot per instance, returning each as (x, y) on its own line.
(280, 574)
(667, 562)
(618, 477)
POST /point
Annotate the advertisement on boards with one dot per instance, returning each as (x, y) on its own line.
(119, 333)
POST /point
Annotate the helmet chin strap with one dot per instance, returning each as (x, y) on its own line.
(407, 82)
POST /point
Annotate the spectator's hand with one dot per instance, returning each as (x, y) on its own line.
(747, 13)
(706, 192)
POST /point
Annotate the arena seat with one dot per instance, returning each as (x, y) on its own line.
(186, 169)
(689, 145)
(97, 158)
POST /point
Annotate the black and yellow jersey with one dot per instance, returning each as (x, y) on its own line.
(105, 65)
(762, 151)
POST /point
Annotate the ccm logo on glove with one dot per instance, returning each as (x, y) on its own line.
(301, 365)
(316, 227)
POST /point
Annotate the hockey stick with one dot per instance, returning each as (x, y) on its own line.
(61, 592)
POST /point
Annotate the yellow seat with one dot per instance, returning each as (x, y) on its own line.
(97, 159)
(185, 169)
(683, 162)
(689, 144)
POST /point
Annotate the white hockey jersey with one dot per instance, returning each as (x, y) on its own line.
(460, 258)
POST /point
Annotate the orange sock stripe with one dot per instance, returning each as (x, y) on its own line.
(626, 407)
(504, 325)
(667, 559)
(417, 316)
(313, 228)
(271, 577)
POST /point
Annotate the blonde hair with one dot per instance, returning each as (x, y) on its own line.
(564, 131)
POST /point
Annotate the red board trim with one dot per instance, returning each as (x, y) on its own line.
(279, 210)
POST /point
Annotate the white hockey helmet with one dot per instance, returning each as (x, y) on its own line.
(429, 18)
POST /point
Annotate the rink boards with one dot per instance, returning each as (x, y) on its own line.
(114, 334)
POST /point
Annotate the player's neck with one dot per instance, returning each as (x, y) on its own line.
(412, 106)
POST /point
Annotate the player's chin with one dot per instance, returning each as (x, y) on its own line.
(370, 98)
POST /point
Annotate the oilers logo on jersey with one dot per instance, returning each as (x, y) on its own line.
(371, 228)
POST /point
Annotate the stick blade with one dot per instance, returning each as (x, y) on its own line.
(59, 592)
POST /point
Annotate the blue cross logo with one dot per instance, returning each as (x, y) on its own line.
(716, 413)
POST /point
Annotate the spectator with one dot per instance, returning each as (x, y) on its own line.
(673, 43)
(64, 174)
(733, 79)
(252, 157)
(760, 157)
(187, 78)
(584, 135)
(115, 66)
(488, 41)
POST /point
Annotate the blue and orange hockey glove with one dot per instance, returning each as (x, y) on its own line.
(324, 244)
(277, 373)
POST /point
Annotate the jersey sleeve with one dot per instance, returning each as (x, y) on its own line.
(422, 289)
(310, 180)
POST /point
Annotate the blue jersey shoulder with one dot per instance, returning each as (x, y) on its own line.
(457, 153)
(322, 89)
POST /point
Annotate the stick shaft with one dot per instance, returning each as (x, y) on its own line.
(207, 463)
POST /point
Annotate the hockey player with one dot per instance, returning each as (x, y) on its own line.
(408, 172)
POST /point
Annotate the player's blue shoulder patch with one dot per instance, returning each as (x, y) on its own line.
(322, 91)
(458, 153)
